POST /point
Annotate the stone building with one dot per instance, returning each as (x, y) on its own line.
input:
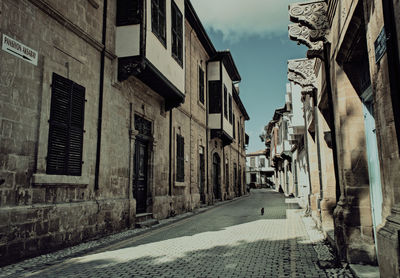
(352, 85)
(258, 170)
(104, 115)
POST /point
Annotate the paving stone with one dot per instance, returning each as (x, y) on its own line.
(231, 240)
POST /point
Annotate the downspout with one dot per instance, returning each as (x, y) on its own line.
(332, 116)
(101, 89)
(207, 109)
(392, 50)
(170, 154)
(130, 161)
(224, 171)
(190, 108)
(239, 190)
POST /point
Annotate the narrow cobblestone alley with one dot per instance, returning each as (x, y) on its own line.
(231, 240)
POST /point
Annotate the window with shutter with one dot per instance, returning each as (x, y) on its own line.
(158, 19)
(129, 12)
(177, 33)
(225, 102)
(64, 155)
(201, 85)
(234, 129)
(215, 97)
(230, 108)
(180, 161)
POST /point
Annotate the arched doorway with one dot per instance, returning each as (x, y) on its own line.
(217, 176)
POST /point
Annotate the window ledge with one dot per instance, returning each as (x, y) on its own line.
(180, 184)
(43, 179)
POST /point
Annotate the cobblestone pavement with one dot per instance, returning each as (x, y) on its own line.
(232, 240)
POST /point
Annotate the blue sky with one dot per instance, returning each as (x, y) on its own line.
(255, 31)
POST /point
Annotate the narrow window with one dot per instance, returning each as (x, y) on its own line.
(158, 19)
(128, 12)
(177, 33)
(230, 109)
(225, 102)
(239, 132)
(180, 161)
(201, 85)
(64, 154)
(234, 129)
(215, 97)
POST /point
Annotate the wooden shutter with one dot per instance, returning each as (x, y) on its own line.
(180, 162)
(230, 108)
(215, 97)
(225, 102)
(64, 156)
(201, 85)
(234, 129)
(76, 130)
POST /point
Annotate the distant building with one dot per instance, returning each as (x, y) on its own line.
(258, 170)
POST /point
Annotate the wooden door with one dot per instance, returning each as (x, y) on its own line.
(374, 172)
(140, 175)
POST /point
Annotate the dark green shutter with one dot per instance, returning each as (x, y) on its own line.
(64, 156)
(180, 161)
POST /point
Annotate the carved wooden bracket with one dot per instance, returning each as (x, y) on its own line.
(129, 66)
(310, 26)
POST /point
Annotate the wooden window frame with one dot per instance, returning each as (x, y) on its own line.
(230, 109)
(176, 33)
(225, 102)
(159, 27)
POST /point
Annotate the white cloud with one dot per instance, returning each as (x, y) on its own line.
(238, 19)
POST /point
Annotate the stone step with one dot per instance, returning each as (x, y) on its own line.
(140, 217)
(147, 223)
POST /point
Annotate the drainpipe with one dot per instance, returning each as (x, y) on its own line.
(207, 143)
(392, 50)
(170, 154)
(101, 89)
(130, 161)
(332, 116)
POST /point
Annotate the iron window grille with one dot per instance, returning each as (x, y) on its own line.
(158, 19)
(180, 160)
(177, 33)
(64, 153)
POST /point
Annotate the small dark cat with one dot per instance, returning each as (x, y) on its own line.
(262, 211)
